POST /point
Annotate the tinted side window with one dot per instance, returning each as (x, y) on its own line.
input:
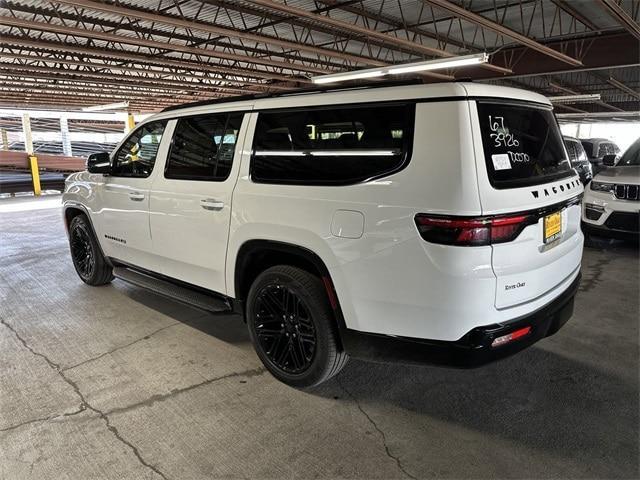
(331, 146)
(588, 147)
(572, 150)
(575, 150)
(631, 156)
(603, 150)
(137, 155)
(203, 147)
(582, 155)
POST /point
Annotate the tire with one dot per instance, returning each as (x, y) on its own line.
(90, 264)
(293, 328)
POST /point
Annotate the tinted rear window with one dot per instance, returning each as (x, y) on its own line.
(522, 145)
(607, 149)
(331, 146)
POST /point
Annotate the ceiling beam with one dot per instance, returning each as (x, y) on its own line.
(367, 33)
(142, 42)
(495, 27)
(568, 8)
(622, 17)
(216, 30)
(599, 52)
(91, 97)
(277, 18)
(387, 20)
(29, 70)
(111, 24)
(130, 92)
(124, 55)
(98, 82)
(246, 85)
(17, 80)
(112, 68)
(569, 108)
(406, 45)
(60, 100)
(63, 101)
(380, 16)
(621, 86)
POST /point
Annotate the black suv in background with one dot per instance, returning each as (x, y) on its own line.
(578, 158)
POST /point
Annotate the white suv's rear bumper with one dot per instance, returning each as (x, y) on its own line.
(430, 291)
(476, 348)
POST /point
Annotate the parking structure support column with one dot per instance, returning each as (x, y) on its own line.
(66, 141)
(32, 159)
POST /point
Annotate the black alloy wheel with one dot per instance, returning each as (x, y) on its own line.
(90, 264)
(84, 257)
(284, 328)
(293, 327)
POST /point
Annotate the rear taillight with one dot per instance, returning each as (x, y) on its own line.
(471, 231)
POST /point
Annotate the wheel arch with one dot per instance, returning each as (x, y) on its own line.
(255, 256)
(71, 211)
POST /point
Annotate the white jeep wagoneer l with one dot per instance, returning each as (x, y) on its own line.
(427, 223)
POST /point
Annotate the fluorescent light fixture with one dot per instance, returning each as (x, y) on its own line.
(453, 62)
(109, 106)
(595, 97)
(353, 153)
(279, 153)
(594, 115)
(440, 63)
(343, 77)
(327, 153)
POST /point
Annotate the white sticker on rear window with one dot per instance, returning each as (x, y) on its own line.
(501, 161)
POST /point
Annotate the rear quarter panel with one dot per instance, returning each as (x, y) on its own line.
(378, 278)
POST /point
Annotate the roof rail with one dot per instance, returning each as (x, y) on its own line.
(301, 91)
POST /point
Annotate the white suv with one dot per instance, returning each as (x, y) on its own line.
(429, 223)
(611, 204)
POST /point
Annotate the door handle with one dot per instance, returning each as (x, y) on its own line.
(136, 196)
(211, 204)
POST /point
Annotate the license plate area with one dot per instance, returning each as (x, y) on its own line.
(552, 227)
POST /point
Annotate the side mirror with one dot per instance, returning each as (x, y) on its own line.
(609, 160)
(99, 163)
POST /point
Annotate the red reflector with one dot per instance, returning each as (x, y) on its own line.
(510, 337)
(330, 292)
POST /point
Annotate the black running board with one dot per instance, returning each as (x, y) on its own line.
(203, 301)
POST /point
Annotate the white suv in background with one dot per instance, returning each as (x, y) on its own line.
(611, 204)
(428, 223)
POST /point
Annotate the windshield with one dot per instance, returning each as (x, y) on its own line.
(632, 156)
(522, 145)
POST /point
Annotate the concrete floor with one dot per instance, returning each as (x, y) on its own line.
(115, 382)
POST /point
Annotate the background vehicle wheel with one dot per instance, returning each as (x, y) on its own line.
(292, 327)
(87, 257)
